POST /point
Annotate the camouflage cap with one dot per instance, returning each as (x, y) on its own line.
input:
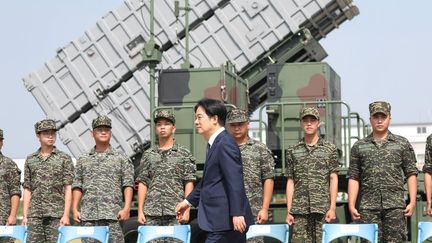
(45, 125)
(237, 115)
(379, 107)
(309, 111)
(101, 121)
(165, 114)
(1, 134)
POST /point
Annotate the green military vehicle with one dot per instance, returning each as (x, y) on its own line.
(260, 55)
(289, 87)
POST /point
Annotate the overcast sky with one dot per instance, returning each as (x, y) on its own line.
(382, 54)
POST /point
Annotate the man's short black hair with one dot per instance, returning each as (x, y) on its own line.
(213, 107)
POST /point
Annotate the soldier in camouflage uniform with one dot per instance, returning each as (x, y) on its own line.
(10, 190)
(102, 178)
(427, 169)
(312, 181)
(381, 163)
(166, 176)
(48, 176)
(258, 167)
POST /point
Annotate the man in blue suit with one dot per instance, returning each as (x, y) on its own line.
(224, 210)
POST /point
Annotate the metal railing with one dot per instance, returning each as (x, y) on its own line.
(346, 120)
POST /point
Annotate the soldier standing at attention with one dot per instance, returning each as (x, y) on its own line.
(427, 169)
(48, 175)
(10, 190)
(166, 176)
(312, 173)
(102, 178)
(380, 163)
(258, 167)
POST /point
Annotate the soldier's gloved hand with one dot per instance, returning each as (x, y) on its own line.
(141, 218)
(262, 216)
(289, 219)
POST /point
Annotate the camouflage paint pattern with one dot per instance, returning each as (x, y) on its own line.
(382, 170)
(165, 173)
(310, 168)
(46, 178)
(184, 87)
(45, 125)
(10, 185)
(258, 165)
(115, 230)
(307, 228)
(42, 229)
(302, 82)
(427, 168)
(102, 178)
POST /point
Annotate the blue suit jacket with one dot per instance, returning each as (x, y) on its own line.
(221, 194)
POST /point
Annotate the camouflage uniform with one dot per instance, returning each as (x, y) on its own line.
(9, 186)
(427, 168)
(381, 168)
(45, 178)
(165, 173)
(102, 178)
(310, 168)
(258, 165)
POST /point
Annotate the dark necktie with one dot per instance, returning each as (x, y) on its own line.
(208, 149)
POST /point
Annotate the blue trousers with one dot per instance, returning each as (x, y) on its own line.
(230, 236)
